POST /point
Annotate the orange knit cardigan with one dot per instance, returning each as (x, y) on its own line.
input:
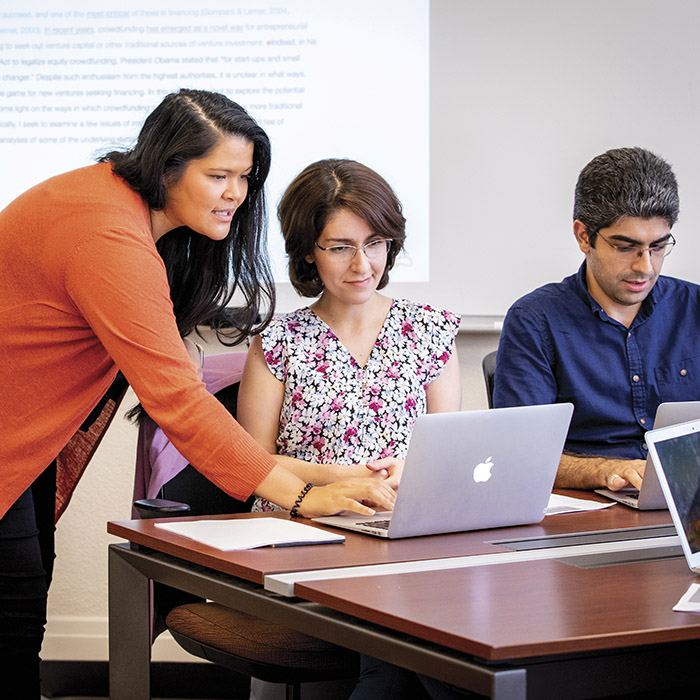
(83, 292)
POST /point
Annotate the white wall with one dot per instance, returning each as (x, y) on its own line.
(77, 626)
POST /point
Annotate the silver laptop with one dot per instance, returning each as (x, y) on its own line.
(675, 455)
(472, 470)
(650, 496)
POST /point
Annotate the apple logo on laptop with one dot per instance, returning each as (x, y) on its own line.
(482, 471)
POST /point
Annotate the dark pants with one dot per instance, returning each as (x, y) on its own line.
(379, 679)
(26, 565)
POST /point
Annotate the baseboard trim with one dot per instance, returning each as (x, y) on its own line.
(85, 638)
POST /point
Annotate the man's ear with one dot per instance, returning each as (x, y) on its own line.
(581, 233)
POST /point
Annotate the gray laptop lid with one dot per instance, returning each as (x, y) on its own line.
(478, 469)
(651, 496)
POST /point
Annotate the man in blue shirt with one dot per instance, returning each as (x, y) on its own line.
(615, 339)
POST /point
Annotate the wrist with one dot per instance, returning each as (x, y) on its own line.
(294, 512)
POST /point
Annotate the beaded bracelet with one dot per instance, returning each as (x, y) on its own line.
(300, 498)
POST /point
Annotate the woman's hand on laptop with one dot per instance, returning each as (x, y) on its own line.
(388, 468)
(357, 495)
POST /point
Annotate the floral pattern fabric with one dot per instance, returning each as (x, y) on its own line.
(336, 412)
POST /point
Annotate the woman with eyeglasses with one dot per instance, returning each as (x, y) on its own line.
(334, 388)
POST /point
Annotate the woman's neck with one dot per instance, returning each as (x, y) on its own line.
(160, 224)
(356, 326)
(336, 313)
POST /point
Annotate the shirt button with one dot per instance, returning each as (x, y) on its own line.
(684, 372)
(635, 378)
(644, 446)
(642, 421)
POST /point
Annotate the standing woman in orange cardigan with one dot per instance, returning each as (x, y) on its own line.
(106, 268)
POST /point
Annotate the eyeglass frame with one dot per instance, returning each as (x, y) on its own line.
(669, 244)
(356, 248)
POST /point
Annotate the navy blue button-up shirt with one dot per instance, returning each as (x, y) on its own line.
(559, 345)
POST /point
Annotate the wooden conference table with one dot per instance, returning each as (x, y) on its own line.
(578, 606)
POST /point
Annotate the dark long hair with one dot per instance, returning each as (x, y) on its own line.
(205, 274)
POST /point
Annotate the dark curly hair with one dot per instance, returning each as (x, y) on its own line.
(625, 182)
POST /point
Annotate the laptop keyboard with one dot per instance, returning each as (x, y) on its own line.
(378, 524)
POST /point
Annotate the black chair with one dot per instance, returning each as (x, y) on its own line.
(488, 366)
(231, 638)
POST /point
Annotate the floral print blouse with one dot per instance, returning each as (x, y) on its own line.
(336, 412)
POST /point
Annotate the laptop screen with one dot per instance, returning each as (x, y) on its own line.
(679, 458)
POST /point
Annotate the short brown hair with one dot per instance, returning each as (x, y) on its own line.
(318, 192)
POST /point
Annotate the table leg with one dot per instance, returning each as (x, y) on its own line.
(129, 630)
(510, 685)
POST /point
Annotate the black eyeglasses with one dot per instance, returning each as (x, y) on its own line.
(632, 251)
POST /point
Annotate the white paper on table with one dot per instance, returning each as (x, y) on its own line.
(690, 600)
(249, 533)
(566, 504)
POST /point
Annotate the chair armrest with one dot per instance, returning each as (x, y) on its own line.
(160, 508)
